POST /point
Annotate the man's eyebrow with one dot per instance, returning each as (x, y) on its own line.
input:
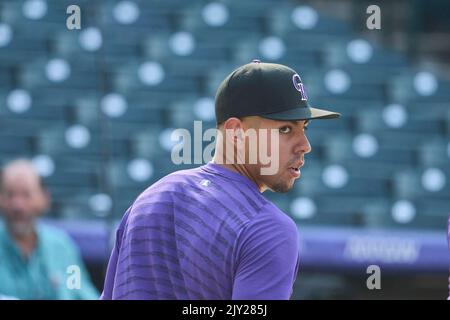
(296, 122)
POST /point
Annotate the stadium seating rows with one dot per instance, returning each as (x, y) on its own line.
(385, 163)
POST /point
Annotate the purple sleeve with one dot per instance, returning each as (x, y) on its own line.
(110, 273)
(266, 258)
(110, 278)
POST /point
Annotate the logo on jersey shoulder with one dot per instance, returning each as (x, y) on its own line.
(298, 85)
(205, 183)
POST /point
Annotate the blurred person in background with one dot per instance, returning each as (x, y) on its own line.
(34, 258)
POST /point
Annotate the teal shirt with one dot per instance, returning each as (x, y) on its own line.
(45, 274)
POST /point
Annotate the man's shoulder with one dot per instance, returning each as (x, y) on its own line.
(165, 190)
(175, 181)
(270, 230)
(48, 233)
(54, 237)
(272, 216)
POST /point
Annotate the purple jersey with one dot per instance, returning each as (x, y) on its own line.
(203, 233)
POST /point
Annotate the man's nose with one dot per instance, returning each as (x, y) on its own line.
(303, 145)
(18, 203)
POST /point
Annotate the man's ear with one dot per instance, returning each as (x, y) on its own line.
(2, 207)
(45, 202)
(236, 127)
(232, 124)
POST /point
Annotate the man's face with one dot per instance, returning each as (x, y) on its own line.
(292, 147)
(22, 199)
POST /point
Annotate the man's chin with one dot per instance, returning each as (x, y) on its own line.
(21, 229)
(282, 187)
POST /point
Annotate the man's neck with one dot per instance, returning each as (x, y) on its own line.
(26, 241)
(242, 170)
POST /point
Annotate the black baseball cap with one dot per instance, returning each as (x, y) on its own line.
(269, 90)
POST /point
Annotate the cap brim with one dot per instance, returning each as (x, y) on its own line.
(303, 113)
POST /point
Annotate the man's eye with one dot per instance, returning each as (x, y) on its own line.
(285, 129)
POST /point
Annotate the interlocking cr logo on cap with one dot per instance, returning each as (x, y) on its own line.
(298, 85)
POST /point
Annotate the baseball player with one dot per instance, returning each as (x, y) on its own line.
(209, 232)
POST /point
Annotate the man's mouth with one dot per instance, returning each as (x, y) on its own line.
(295, 171)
